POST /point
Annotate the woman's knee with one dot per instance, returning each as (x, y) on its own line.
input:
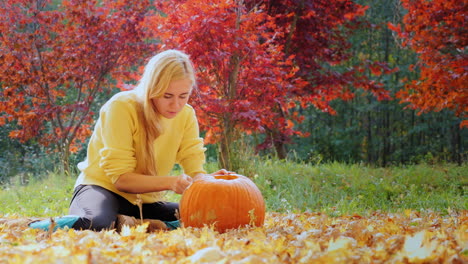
(96, 206)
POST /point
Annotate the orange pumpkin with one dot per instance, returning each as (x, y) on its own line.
(224, 201)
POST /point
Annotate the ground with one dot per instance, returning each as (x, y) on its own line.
(409, 237)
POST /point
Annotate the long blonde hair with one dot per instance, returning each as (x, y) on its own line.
(161, 70)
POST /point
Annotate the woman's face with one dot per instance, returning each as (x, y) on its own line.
(174, 99)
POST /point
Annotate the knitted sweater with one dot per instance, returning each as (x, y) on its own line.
(116, 139)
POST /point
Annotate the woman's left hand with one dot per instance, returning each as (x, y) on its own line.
(181, 183)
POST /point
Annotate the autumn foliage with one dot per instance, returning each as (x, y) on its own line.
(243, 74)
(55, 60)
(258, 61)
(436, 31)
(411, 237)
(316, 33)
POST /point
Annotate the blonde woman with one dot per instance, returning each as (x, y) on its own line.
(139, 136)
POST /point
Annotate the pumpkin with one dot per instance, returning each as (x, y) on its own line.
(224, 201)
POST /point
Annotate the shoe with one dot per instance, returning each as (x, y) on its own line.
(55, 223)
(172, 224)
(131, 221)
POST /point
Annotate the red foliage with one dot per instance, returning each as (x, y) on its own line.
(317, 35)
(436, 31)
(53, 61)
(243, 73)
(257, 59)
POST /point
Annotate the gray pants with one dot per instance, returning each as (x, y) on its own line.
(98, 208)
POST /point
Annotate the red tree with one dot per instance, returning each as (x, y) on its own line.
(54, 60)
(316, 34)
(258, 59)
(244, 76)
(436, 30)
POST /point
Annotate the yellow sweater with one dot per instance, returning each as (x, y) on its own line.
(113, 144)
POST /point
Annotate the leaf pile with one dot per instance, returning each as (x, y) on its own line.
(410, 237)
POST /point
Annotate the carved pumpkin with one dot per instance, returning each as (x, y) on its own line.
(225, 201)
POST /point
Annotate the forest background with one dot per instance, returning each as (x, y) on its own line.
(375, 82)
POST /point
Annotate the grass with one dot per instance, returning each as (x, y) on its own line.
(335, 188)
(347, 189)
(44, 196)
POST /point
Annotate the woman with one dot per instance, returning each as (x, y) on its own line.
(138, 138)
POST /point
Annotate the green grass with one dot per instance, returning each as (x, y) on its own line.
(346, 189)
(48, 196)
(335, 189)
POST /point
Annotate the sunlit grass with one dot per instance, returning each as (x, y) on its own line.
(346, 189)
(48, 196)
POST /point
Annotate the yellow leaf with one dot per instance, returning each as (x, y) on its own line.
(209, 254)
(417, 247)
(341, 243)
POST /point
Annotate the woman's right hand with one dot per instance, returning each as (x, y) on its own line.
(181, 183)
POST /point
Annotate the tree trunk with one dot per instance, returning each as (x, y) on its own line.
(225, 155)
(64, 155)
(386, 134)
(276, 136)
(278, 143)
(65, 158)
(280, 148)
(370, 152)
(457, 144)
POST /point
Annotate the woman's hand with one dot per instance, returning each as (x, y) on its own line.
(181, 183)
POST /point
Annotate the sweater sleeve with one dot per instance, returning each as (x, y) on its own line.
(191, 154)
(117, 156)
